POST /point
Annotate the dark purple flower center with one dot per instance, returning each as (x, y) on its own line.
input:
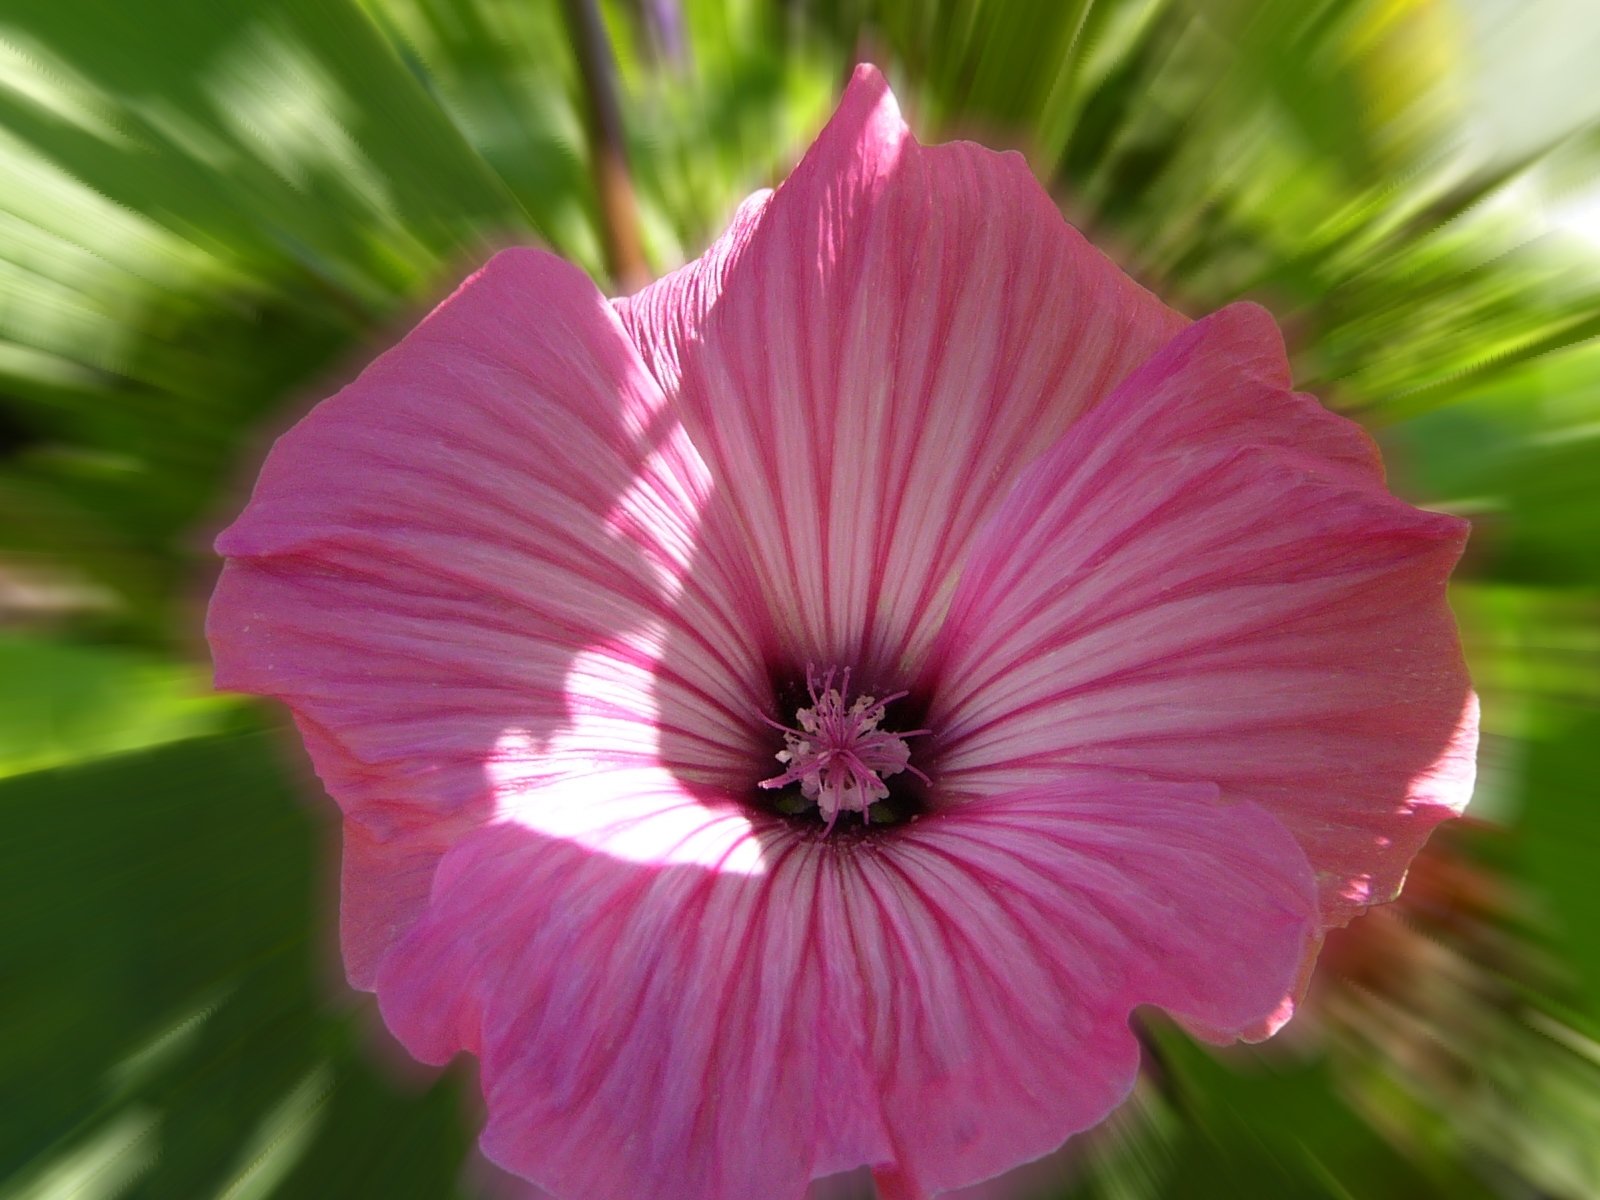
(840, 757)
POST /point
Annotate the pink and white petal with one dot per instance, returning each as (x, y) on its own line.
(390, 849)
(645, 1029)
(450, 550)
(665, 316)
(871, 357)
(1007, 941)
(942, 1005)
(1206, 580)
(385, 880)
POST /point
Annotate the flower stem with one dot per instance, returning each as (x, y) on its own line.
(608, 151)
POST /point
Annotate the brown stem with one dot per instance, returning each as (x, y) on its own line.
(608, 153)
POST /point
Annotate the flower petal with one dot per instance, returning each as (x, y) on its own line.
(665, 317)
(941, 1004)
(385, 879)
(1206, 580)
(867, 361)
(644, 1030)
(450, 552)
(1024, 928)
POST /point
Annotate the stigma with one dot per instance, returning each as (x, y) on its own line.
(836, 751)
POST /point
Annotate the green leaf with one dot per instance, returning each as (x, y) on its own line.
(168, 949)
(1561, 838)
(62, 703)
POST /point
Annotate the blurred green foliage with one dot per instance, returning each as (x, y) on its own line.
(211, 211)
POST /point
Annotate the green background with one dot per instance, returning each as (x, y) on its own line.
(213, 211)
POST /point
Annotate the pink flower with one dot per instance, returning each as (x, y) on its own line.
(609, 625)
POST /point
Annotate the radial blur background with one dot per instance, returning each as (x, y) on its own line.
(212, 212)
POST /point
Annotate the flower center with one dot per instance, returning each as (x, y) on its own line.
(838, 755)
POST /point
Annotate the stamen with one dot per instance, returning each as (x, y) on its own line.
(838, 755)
